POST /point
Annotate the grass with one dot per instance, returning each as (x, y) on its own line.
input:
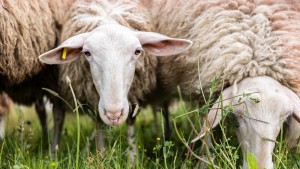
(23, 148)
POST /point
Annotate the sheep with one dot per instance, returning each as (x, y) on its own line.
(30, 28)
(22, 40)
(260, 115)
(111, 37)
(250, 46)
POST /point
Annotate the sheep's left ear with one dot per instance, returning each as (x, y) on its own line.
(67, 52)
(161, 45)
(214, 116)
(295, 102)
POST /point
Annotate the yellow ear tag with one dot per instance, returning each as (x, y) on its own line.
(64, 54)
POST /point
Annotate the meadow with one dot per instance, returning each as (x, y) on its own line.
(23, 147)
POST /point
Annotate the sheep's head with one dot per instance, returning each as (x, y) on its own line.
(261, 105)
(112, 51)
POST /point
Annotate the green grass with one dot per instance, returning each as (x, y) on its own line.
(23, 147)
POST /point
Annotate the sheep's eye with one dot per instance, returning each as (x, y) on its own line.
(138, 51)
(87, 53)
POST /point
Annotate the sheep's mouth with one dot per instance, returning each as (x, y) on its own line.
(114, 119)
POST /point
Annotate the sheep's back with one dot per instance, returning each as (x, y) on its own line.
(285, 20)
(27, 30)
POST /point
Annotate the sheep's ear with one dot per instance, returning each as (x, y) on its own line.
(161, 45)
(214, 116)
(295, 102)
(67, 52)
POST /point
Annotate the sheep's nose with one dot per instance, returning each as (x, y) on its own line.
(114, 116)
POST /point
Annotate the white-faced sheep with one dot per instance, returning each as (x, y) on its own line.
(240, 42)
(29, 28)
(110, 36)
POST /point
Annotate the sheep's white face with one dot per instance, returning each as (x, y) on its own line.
(112, 51)
(112, 54)
(260, 117)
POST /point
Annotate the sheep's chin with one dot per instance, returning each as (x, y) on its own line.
(107, 121)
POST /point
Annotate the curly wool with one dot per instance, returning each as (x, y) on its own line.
(27, 30)
(85, 16)
(59, 9)
(285, 20)
(232, 40)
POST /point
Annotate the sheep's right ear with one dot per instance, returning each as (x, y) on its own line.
(214, 116)
(161, 45)
(67, 52)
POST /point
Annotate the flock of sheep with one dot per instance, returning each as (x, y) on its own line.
(123, 52)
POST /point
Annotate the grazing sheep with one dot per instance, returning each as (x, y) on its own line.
(261, 105)
(240, 42)
(111, 37)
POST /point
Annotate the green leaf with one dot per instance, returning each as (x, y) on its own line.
(252, 162)
(255, 100)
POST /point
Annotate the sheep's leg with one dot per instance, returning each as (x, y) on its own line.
(101, 135)
(131, 139)
(293, 133)
(168, 129)
(41, 111)
(165, 112)
(154, 108)
(98, 135)
(59, 116)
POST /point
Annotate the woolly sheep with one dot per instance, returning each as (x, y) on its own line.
(23, 39)
(111, 21)
(121, 24)
(30, 28)
(111, 36)
(239, 42)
